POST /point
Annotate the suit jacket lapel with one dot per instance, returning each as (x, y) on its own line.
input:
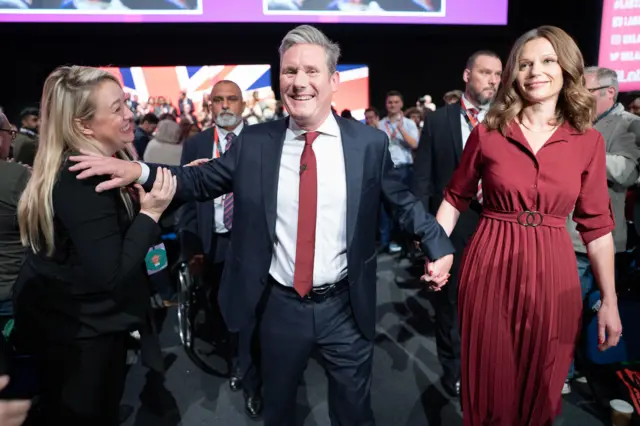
(270, 163)
(353, 164)
(456, 130)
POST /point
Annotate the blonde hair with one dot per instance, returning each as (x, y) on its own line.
(67, 101)
(575, 104)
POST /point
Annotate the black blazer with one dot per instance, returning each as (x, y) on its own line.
(196, 219)
(437, 157)
(96, 281)
(250, 169)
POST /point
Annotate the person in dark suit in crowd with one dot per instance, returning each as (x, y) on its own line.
(303, 259)
(444, 135)
(205, 233)
(84, 287)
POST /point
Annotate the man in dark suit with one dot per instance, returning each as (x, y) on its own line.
(205, 234)
(444, 135)
(303, 263)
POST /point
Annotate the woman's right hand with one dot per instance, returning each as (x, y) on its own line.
(156, 201)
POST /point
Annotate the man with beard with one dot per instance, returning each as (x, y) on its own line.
(205, 230)
(443, 138)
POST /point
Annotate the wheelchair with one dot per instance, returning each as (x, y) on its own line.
(192, 300)
(187, 298)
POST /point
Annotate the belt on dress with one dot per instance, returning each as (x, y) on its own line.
(527, 218)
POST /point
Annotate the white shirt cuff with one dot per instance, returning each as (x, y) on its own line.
(144, 175)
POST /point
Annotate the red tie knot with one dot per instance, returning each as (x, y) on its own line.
(310, 137)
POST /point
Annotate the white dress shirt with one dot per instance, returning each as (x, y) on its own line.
(482, 112)
(330, 261)
(218, 203)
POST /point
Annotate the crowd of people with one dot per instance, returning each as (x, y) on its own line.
(515, 191)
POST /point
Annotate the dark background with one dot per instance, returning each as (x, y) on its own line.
(414, 59)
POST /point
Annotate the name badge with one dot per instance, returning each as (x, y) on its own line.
(156, 259)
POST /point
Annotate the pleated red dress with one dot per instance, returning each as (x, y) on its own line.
(519, 300)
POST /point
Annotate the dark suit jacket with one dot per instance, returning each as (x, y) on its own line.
(95, 283)
(437, 157)
(250, 169)
(196, 222)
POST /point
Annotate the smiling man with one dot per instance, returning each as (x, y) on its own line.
(303, 262)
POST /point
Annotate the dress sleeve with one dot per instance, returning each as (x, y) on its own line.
(464, 183)
(593, 213)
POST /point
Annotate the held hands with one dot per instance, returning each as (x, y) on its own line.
(437, 273)
(122, 172)
(12, 412)
(197, 162)
(155, 202)
(609, 325)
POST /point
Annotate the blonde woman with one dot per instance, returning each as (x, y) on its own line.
(520, 303)
(84, 287)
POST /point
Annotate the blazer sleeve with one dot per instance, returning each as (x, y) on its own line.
(423, 167)
(108, 258)
(593, 213)
(205, 182)
(413, 217)
(190, 243)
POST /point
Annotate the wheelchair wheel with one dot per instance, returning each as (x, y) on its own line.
(185, 307)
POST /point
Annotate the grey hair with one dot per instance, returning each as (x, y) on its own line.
(306, 34)
(606, 77)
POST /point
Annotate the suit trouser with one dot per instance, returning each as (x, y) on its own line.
(239, 343)
(445, 302)
(291, 328)
(82, 381)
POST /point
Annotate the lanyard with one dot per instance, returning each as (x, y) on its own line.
(472, 120)
(217, 147)
(392, 131)
(604, 114)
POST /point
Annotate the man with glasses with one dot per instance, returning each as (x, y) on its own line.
(621, 133)
(14, 178)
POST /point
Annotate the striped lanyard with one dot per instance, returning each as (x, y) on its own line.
(471, 118)
(217, 146)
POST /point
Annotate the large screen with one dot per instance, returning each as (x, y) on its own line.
(460, 12)
(620, 41)
(152, 83)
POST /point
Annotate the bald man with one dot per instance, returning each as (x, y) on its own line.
(205, 234)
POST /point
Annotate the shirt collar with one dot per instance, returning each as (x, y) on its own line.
(222, 133)
(607, 112)
(482, 108)
(328, 127)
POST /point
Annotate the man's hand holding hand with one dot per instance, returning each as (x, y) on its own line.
(437, 273)
(122, 172)
(12, 412)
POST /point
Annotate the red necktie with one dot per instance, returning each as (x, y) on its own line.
(473, 118)
(307, 212)
(227, 217)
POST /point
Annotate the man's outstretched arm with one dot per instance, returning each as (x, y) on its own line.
(205, 182)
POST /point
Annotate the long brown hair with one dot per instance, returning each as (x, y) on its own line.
(575, 103)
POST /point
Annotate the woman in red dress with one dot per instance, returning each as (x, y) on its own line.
(519, 301)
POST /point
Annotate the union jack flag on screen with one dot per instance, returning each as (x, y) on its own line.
(145, 82)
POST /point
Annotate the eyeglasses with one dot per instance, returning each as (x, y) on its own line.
(12, 132)
(595, 89)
